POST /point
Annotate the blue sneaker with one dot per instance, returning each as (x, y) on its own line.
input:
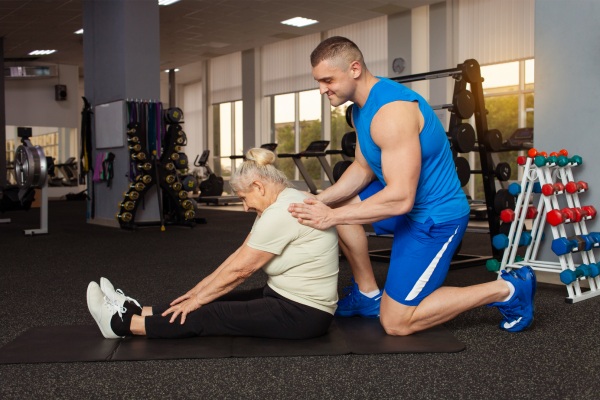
(356, 303)
(518, 311)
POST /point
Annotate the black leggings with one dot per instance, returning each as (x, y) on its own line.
(260, 313)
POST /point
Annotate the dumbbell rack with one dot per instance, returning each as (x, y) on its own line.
(551, 177)
(162, 174)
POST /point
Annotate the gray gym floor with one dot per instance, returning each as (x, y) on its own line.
(44, 279)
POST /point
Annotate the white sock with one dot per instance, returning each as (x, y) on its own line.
(371, 294)
(511, 287)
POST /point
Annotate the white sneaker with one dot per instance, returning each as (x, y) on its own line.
(116, 296)
(102, 309)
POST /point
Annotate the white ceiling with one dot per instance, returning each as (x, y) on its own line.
(190, 30)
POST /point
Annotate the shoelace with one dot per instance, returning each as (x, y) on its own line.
(127, 298)
(113, 306)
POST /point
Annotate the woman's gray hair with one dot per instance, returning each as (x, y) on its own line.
(258, 165)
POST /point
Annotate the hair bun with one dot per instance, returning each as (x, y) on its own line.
(261, 156)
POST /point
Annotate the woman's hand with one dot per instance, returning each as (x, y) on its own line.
(183, 306)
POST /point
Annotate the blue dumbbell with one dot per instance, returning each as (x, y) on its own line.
(564, 245)
(514, 189)
(537, 187)
(595, 238)
(500, 241)
(589, 242)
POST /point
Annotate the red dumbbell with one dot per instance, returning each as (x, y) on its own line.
(507, 215)
(557, 217)
(574, 187)
(521, 160)
(531, 213)
(531, 153)
(549, 189)
(578, 214)
(590, 212)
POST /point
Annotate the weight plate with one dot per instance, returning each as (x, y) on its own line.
(174, 115)
(493, 140)
(349, 116)
(339, 168)
(349, 144)
(463, 138)
(503, 171)
(463, 170)
(503, 200)
(463, 104)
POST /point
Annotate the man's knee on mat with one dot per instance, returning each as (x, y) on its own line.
(395, 318)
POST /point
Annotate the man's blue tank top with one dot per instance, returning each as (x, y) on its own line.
(439, 194)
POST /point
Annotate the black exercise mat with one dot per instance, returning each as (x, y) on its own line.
(50, 344)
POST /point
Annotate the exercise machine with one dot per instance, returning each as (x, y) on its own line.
(315, 149)
(31, 172)
(211, 188)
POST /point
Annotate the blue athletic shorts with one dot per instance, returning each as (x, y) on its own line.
(421, 252)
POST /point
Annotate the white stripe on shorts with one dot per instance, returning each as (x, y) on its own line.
(424, 278)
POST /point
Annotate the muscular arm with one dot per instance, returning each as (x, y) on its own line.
(395, 129)
(355, 178)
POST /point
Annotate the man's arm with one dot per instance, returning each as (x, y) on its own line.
(353, 180)
(395, 129)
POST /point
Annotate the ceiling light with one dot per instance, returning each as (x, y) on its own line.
(299, 22)
(176, 70)
(41, 52)
(166, 2)
(79, 32)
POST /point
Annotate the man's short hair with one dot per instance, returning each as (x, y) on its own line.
(337, 48)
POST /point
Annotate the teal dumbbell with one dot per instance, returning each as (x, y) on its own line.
(492, 265)
(525, 239)
(569, 276)
(594, 270)
(576, 160)
(539, 161)
(500, 241)
(562, 161)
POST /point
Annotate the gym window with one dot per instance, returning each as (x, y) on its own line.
(509, 99)
(339, 127)
(228, 136)
(296, 123)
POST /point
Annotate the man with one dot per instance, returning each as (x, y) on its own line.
(403, 181)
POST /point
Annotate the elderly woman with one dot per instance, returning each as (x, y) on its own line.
(301, 263)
